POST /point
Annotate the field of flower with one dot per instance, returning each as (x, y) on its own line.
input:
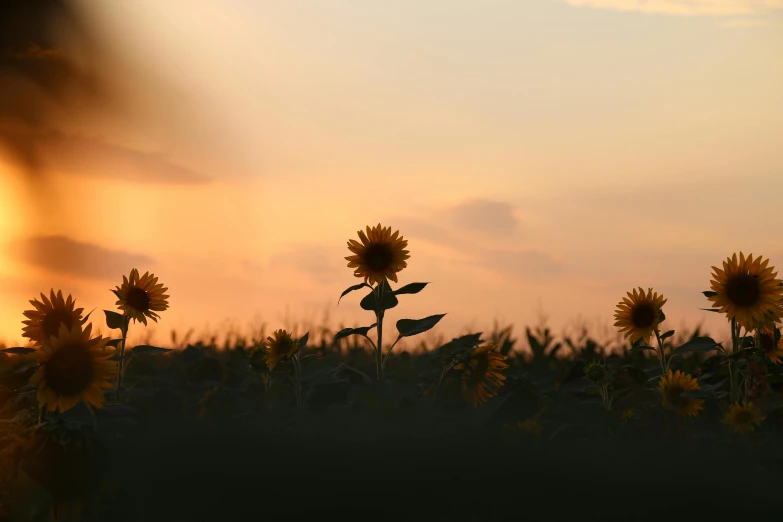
(346, 424)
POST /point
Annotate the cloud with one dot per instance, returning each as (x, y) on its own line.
(685, 7)
(63, 255)
(75, 154)
(525, 263)
(43, 76)
(521, 263)
(315, 261)
(486, 216)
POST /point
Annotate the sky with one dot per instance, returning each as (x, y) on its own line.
(540, 157)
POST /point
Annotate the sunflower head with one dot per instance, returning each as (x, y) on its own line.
(380, 255)
(639, 314)
(280, 347)
(141, 297)
(597, 372)
(73, 367)
(44, 321)
(673, 386)
(773, 348)
(481, 377)
(628, 414)
(743, 417)
(747, 290)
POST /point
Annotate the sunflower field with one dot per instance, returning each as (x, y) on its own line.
(346, 424)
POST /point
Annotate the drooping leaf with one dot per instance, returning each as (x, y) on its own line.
(18, 350)
(661, 316)
(345, 332)
(370, 301)
(409, 327)
(698, 345)
(666, 335)
(411, 288)
(144, 349)
(114, 320)
(351, 289)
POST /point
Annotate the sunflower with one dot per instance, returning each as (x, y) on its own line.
(747, 291)
(279, 348)
(743, 417)
(44, 322)
(481, 377)
(638, 315)
(774, 351)
(380, 255)
(73, 367)
(141, 296)
(673, 386)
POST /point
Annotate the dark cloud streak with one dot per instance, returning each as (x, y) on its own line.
(63, 255)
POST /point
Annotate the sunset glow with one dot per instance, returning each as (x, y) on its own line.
(536, 155)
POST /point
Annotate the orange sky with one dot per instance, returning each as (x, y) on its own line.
(540, 154)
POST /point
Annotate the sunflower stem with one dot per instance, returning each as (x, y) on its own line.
(379, 316)
(122, 359)
(661, 354)
(733, 389)
(298, 383)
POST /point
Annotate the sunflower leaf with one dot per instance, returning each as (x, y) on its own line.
(661, 316)
(144, 349)
(642, 347)
(710, 310)
(351, 289)
(345, 332)
(411, 288)
(666, 335)
(18, 350)
(303, 340)
(409, 327)
(114, 343)
(698, 345)
(114, 320)
(710, 294)
(370, 301)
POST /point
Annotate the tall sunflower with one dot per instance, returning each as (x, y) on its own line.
(73, 367)
(743, 417)
(44, 322)
(380, 255)
(279, 348)
(673, 386)
(481, 377)
(747, 290)
(141, 297)
(773, 350)
(638, 315)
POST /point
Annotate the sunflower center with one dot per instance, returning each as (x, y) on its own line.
(138, 298)
(70, 370)
(378, 256)
(743, 417)
(50, 324)
(643, 315)
(743, 290)
(673, 395)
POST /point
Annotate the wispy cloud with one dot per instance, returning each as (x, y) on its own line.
(686, 7)
(316, 261)
(96, 157)
(486, 216)
(63, 255)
